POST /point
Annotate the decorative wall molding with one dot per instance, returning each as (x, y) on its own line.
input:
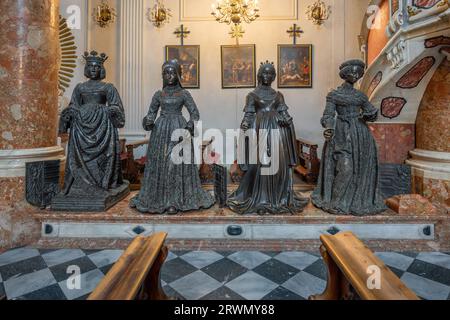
(190, 231)
(430, 164)
(266, 6)
(131, 62)
(397, 17)
(396, 56)
(13, 162)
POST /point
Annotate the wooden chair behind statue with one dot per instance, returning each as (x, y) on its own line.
(132, 168)
(136, 275)
(309, 163)
(350, 267)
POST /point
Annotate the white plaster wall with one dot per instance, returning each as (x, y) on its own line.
(221, 108)
(80, 41)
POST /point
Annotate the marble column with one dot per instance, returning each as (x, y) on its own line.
(29, 58)
(431, 158)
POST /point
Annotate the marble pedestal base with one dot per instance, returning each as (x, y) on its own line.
(431, 175)
(93, 203)
(211, 229)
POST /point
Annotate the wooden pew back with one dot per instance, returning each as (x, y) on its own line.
(350, 262)
(136, 274)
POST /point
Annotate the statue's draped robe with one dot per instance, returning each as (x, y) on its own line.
(165, 183)
(273, 193)
(348, 180)
(93, 156)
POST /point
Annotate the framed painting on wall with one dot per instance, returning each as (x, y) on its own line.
(238, 66)
(295, 66)
(189, 58)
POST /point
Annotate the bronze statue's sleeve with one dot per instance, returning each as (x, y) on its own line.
(154, 107)
(249, 109)
(369, 112)
(328, 120)
(117, 112)
(191, 106)
(283, 108)
(65, 118)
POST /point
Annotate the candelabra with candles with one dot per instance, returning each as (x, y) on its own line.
(159, 14)
(235, 11)
(104, 15)
(318, 12)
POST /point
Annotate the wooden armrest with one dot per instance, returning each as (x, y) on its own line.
(126, 278)
(354, 260)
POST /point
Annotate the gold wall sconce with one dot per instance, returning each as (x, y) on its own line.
(104, 15)
(159, 14)
(318, 12)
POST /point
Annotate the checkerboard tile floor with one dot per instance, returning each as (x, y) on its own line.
(32, 274)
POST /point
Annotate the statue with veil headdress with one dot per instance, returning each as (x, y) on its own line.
(168, 186)
(267, 186)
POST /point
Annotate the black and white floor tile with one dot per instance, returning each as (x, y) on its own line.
(32, 274)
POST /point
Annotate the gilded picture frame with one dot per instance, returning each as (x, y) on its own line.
(295, 66)
(238, 66)
(189, 58)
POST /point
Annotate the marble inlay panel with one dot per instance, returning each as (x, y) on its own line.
(433, 125)
(375, 82)
(394, 141)
(437, 41)
(412, 78)
(392, 107)
(425, 4)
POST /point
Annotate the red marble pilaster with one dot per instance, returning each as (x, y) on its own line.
(28, 73)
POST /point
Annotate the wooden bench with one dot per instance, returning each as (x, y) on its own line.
(349, 263)
(136, 275)
(309, 163)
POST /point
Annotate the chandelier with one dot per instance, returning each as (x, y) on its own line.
(235, 11)
(159, 14)
(318, 12)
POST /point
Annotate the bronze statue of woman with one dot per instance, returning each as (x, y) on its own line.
(348, 180)
(168, 186)
(267, 185)
(93, 176)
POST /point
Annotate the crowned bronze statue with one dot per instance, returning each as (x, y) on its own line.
(170, 186)
(267, 185)
(348, 180)
(93, 178)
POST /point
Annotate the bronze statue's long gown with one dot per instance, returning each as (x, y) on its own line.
(272, 194)
(93, 148)
(166, 184)
(348, 180)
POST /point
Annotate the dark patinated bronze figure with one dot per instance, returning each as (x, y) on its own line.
(267, 186)
(93, 178)
(349, 176)
(168, 187)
